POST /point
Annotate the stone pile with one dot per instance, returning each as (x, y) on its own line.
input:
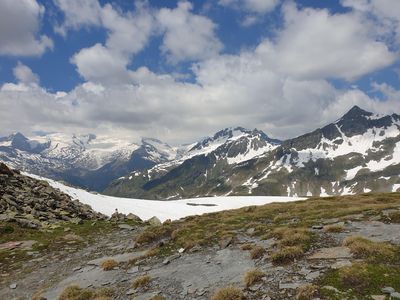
(33, 203)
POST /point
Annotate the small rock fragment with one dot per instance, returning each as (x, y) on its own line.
(388, 290)
(13, 286)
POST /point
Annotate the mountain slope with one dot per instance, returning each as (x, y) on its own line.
(358, 153)
(200, 169)
(87, 160)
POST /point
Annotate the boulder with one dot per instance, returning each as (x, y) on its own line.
(5, 170)
(133, 217)
(154, 221)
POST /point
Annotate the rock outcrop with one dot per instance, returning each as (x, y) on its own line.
(33, 203)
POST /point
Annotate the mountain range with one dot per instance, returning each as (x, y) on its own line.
(358, 153)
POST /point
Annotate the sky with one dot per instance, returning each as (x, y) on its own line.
(181, 70)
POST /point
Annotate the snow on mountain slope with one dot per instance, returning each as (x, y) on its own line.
(234, 144)
(87, 151)
(346, 157)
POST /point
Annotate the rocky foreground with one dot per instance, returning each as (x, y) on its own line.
(33, 203)
(322, 248)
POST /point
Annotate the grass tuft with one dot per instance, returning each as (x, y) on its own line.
(257, 252)
(334, 228)
(74, 292)
(252, 277)
(109, 264)
(228, 293)
(366, 249)
(287, 254)
(141, 281)
(355, 277)
(307, 292)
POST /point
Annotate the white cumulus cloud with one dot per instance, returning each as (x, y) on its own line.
(19, 28)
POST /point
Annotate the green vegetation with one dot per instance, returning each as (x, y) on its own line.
(50, 239)
(361, 279)
(369, 250)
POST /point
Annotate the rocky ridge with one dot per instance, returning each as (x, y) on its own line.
(33, 203)
(357, 153)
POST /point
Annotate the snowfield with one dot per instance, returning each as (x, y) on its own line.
(174, 209)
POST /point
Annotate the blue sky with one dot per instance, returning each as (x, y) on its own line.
(158, 68)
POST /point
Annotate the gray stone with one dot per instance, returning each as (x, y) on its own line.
(225, 242)
(395, 295)
(313, 275)
(250, 231)
(133, 217)
(171, 258)
(317, 227)
(13, 286)
(340, 264)
(130, 292)
(388, 290)
(133, 270)
(126, 226)
(290, 285)
(154, 221)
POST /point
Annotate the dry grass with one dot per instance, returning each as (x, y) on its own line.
(334, 228)
(157, 297)
(287, 254)
(141, 281)
(395, 217)
(354, 277)
(307, 292)
(257, 252)
(252, 277)
(152, 252)
(366, 249)
(154, 233)
(228, 293)
(292, 236)
(109, 264)
(247, 246)
(74, 292)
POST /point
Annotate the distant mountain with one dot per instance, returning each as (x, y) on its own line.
(86, 160)
(199, 168)
(358, 153)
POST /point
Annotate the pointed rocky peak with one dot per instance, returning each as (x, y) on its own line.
(355, 113)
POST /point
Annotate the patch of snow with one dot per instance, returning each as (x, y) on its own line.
(323, 192)
(395, 187)
(163, 210)
(350, 174)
